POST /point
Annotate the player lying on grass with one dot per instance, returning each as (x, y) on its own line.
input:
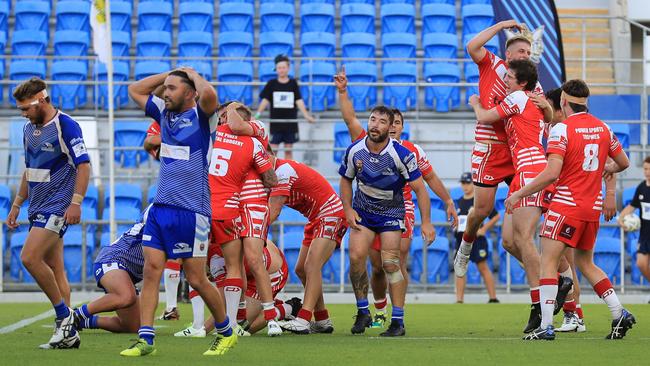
(577, 152)
(254, 318)
(118, 267)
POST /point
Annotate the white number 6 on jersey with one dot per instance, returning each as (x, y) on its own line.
(219, 162)
(590, 164)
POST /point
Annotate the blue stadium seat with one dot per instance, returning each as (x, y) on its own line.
(357, 2)
(120, 93)
(235, 71)
(17, 152)
(437, 72)
(126, 195)
(400, 97)
(438, 18)
(292, 244)
(317, 2)
(624, 107)
(105, 240)
(277, 17)
(318, 44)
(608, 231)
(468, 2)
(91, 200)
(317, 17)
(334, 262)
(121, 13)
(17, 270)
(399, 45)
(33, 16)
(153, 44)
(125, 214)
(362, 96)
(317, 97)
(71, 43)
(397, 18)
(5, 202)
(29, 43)
(155, 16)
(73, 15)
(4, 15)
(23, 216)
(72, 255)
(607, 256)
(235, 44)
(492, 45)
(130, 134)
(341, 141)
(276, 43)
(151, 192)
(69, 96)
(276, 2)
(437, 260)
(471, 76)
(456, 193)
(628, 195)
(517, 272)
(148, 68)
(357, 18)
(3, 43)
(196, 44)
(236, 17)
(289, 215)
(121, 42)
(24, 69)
(476, 17)
(195, 17)
(622, 132)
(440, 45)
(358, 45)
(501, 195)
(412, 2)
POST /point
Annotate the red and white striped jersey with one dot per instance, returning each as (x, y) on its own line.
(524, 123)
(253, 190)
(233, 159)
(584, 142)
(308, 192)
(492, 90)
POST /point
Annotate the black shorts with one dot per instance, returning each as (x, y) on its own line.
(479, 249)
(643, 247)
(288, 137)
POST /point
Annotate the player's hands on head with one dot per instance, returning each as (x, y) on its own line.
(473, 100)
(12, 217)
(428, 233)
(511, 23)
(353, 219)
(340, 80)
(72, 215)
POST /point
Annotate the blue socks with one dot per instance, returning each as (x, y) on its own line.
(147, 333)
(362, 306)
(62, 310)
(223, 328)
(398, 314)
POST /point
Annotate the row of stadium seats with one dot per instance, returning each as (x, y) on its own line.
(153, 40)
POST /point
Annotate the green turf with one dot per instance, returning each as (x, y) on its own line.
(440, 334)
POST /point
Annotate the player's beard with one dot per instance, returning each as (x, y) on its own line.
(382, 137)
(174, 106)
(39, 119)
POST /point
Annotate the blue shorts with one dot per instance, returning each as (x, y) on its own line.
(100, 269)
(177, 232)
(379, 223)
(50, 222)
(479, 249)
(288, 137)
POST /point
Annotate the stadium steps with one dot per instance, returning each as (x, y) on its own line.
(598, 43)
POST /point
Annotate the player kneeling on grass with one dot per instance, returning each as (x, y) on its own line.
(118, 267)
(578, 149)
(253, 315)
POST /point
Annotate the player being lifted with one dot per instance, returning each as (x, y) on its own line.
(524, 126)
(55, 181)
(382, 168)
(305, 190)
(118, 267)
(378, 278)
(178, 223)
(491, 160)
(578, 149)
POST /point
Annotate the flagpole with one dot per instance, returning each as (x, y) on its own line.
(111, 120)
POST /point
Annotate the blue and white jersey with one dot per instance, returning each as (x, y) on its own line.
(127, 249)
(52, 153)
(184, 156)
(380, 177)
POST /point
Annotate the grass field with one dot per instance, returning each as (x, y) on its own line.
(436, 334)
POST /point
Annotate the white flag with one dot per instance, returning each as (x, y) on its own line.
(100, 29)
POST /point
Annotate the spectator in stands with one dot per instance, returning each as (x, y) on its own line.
(641, 200)
(479, 254)
(283, 94)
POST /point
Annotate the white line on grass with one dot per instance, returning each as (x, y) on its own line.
(491, 338)
(26, 322)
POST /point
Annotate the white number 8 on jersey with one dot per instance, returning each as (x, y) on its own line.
(590, 164)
